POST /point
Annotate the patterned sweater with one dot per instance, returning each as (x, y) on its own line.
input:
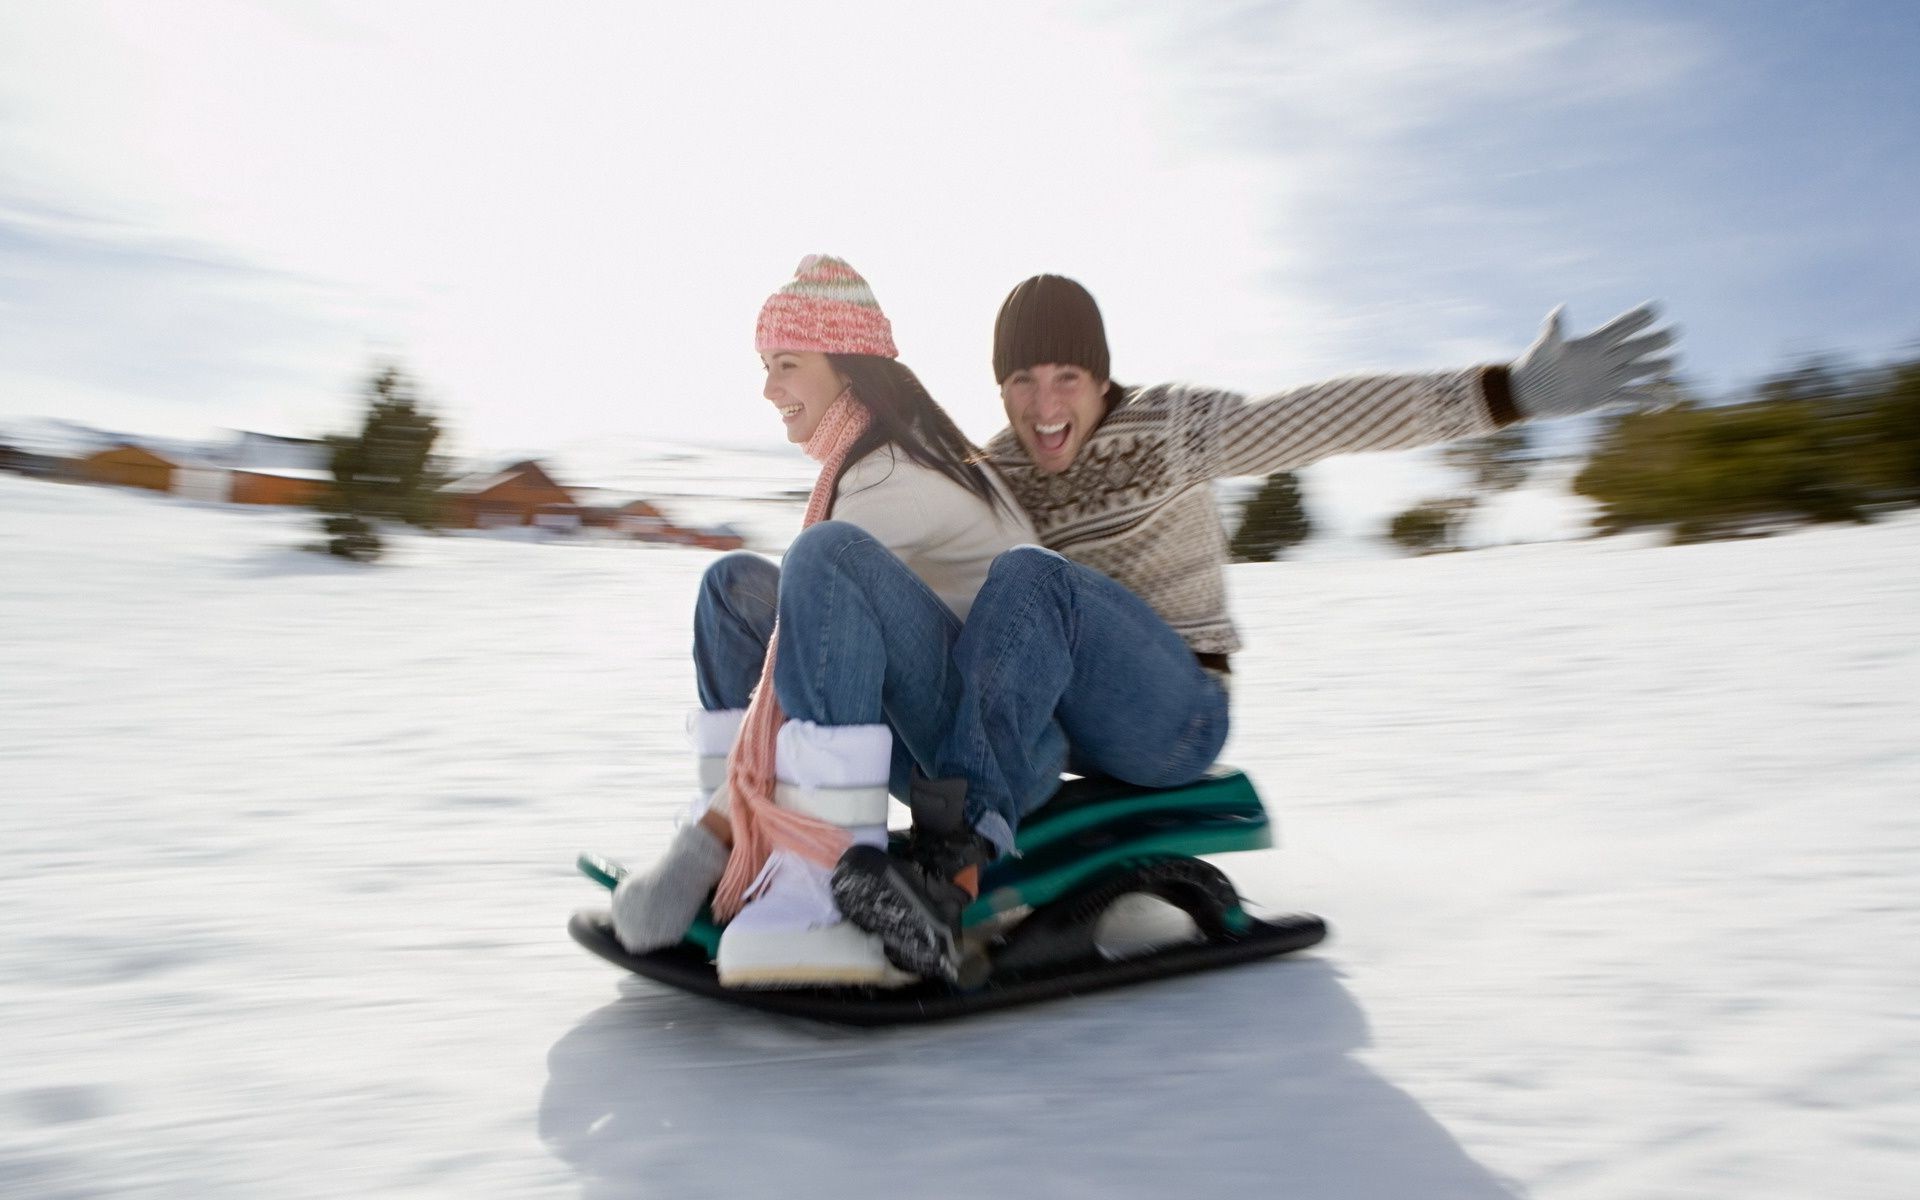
(1137, 504)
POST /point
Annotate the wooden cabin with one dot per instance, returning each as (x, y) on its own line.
(522, 494)
(291, 486)
(638, 519)
(127, 465)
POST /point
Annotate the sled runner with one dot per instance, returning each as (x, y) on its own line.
(1033, 927)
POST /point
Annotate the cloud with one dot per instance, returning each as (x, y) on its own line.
(1425, 166)
(161, 329)
(571, 219)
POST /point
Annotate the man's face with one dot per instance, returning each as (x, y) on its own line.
(1053, 408)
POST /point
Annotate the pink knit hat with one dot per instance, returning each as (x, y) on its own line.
(828, 308)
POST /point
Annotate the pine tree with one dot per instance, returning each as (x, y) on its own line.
(387, 473)
(1274, 520)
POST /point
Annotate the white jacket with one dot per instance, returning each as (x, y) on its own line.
(944, 533)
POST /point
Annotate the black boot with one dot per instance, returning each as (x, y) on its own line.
(914, 904)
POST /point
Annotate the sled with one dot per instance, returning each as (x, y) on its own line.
(1032, 931)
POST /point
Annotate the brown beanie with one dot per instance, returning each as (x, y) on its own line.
(1049, 319)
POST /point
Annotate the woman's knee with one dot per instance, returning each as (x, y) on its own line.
(826, 537)
(820, 546)
(736, 567)
(1025, 566)
(740, 574)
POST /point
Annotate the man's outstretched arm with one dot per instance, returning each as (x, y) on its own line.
(1615, 365)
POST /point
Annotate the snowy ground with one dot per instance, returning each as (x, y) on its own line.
(1619, 843)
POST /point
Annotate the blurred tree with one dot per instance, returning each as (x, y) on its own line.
(386, 473)
(1732, 471)
(1891, 457)
(1273, 521)
(1430, 526)
(351, 537)
(1495, 463)
(1636, 462)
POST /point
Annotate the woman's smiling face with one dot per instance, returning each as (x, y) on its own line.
(802, 385)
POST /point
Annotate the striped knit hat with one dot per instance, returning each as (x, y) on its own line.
(827, 308)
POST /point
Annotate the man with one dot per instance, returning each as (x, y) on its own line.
(1114, 640)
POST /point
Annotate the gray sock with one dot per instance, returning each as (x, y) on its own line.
(655, 908)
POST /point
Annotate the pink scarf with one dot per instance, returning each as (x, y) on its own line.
(759, 826)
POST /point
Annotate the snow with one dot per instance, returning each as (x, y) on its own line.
(1618, 841)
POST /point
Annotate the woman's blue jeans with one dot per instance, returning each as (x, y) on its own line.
(862, 640)
(1053, 654)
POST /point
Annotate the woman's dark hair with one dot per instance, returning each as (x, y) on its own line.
(904, 415)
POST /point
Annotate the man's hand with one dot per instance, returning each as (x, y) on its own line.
(1615, 364)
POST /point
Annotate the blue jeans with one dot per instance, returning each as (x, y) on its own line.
(1056, 655)
(732, 622)
(862, 640)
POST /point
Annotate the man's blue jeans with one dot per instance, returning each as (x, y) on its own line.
(862, 640)
(1056, 655)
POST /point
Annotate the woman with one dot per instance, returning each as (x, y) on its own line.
(868, 605)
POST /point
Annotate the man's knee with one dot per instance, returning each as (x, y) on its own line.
(1021, 604)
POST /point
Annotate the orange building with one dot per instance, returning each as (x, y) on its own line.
(639, 519)
(291, 486)
(127, 465)
(522, 494)
(718, 537)
(646, 523)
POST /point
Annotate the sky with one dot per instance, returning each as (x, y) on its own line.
(562, 219)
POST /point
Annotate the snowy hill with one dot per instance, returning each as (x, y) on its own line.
(1618, 843)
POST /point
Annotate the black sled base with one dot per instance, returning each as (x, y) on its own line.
(686, 967)
(1032, 931)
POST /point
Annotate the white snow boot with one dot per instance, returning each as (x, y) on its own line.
(712, 732)
(791, 933)
(653, 909)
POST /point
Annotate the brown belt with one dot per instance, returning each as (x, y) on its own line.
(1213, 662)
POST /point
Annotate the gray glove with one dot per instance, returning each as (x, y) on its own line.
(1557, 377)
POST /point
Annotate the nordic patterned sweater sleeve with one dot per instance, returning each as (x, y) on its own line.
(1228, 434)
